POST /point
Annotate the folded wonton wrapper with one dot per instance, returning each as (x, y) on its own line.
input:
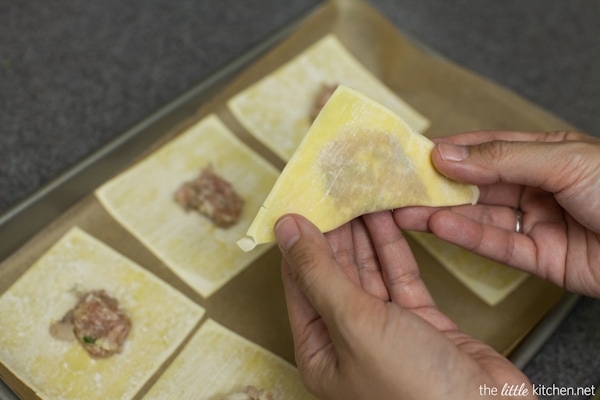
(357, 157)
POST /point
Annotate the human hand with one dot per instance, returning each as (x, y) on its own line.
(365, 326)
(553, 178)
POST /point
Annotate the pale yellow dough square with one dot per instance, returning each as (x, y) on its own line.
(276, 109)
(490, 281)
(217, 362)
(161, 319)
(141, 199)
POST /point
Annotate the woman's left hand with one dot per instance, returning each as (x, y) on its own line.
(365, 326)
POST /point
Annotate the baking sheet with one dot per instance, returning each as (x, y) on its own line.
(452, 98)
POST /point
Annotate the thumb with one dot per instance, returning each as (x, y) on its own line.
(547, 165)
(315, 270)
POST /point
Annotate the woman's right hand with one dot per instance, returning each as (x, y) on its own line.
(552, 178)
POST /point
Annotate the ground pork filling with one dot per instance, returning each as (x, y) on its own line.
(212, 196)
(96, 322)
(325, 92)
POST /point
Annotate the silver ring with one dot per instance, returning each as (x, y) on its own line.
(518, 221)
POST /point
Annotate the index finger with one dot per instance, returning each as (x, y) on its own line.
(482, 136)
(398, 265)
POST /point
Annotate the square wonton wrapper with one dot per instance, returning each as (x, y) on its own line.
(217, 362)
(161, 319)
(276, 109)
(141, 199)
(490, 281)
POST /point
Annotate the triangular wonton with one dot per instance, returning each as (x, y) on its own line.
(358, 157)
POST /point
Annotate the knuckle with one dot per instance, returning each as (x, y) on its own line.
(581, 161)
(405, 279)
(305, 261)
(565, 135)
(494, 151)
(301, 255)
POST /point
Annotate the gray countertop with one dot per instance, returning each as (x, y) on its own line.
(74, 75)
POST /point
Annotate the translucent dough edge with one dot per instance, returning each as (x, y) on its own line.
(246, 243)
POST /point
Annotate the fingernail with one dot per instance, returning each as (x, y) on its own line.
(452, 152)
(287, 233)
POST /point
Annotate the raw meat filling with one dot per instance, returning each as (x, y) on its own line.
(97, 323)
(212, 196)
